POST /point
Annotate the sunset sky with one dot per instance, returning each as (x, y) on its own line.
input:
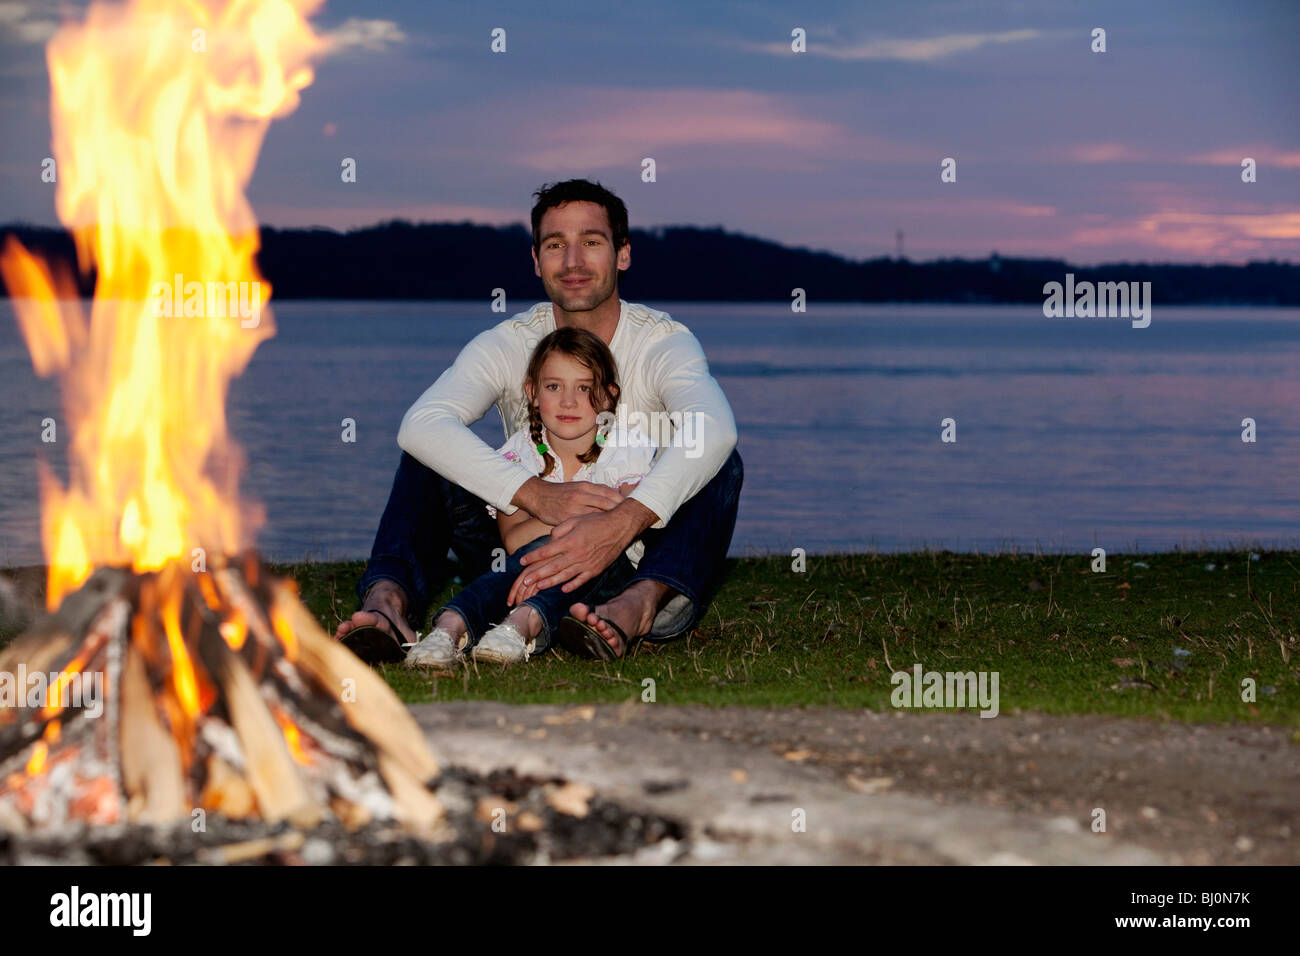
(1133, 154)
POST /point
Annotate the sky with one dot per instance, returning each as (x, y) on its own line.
(1133, 154)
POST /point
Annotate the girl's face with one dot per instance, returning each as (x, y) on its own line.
(563, 396)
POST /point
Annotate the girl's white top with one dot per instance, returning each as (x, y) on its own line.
(625, 460)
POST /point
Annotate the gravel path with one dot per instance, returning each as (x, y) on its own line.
(908, 788)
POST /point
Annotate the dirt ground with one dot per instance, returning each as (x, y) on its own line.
(909, 788)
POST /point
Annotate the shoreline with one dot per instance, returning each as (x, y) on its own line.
(1242, 552)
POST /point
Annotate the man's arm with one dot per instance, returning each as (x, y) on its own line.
(579, 549)
(557, 501)
(435, 430)
(679, 372)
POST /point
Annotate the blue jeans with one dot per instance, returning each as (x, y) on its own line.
(483, 602)
(426, 514)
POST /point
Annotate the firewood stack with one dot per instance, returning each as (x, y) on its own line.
(220, 694)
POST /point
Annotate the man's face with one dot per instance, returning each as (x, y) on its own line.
(578, 243)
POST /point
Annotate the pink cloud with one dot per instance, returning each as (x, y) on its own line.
(1274, 225)
(1104, 153)
(1167, 225)
(581, 130)
(1092, 153)
(1263, 155)
(1234, 235)
(620, 127)
(982, 207)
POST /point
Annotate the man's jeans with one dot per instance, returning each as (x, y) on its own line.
(483, 603)
(426, 514)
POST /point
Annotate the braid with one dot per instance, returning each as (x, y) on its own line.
(535, 432)
(609, 399)
(592, 453)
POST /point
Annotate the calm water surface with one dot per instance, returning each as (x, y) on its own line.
(1071, 433)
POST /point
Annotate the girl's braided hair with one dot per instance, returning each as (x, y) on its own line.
(588, 350)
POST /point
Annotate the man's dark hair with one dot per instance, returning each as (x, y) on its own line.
(580, 190)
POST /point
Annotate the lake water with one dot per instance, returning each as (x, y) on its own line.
(1071, 433)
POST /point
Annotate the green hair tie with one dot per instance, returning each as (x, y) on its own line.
(541, 448)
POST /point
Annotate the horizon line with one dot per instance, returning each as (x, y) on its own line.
(726, 232)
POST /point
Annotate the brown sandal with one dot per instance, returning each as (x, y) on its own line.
(580, 638)
(373, 644)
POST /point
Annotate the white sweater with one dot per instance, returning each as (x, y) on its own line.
(661, 369)
(625, 460)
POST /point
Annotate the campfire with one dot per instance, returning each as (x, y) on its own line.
(217, 692)
(178, 702)
(174, 677)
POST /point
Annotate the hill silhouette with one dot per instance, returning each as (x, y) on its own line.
(402, 260)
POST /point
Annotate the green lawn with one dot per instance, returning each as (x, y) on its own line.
(1060, 636)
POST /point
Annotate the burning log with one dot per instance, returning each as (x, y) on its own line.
(279, 791)
(203, 691)
(151, 762)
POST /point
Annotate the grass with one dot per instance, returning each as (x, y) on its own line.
(1061, 637)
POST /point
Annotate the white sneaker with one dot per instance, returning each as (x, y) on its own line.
(437, 649)
(504, 644)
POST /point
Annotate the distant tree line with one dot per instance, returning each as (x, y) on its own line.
(401, 260)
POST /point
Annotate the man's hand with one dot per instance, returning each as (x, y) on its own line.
(580, 548)
(553, 502)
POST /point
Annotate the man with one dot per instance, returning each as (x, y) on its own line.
(684, 510)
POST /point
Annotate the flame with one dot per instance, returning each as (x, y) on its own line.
(57, 694)
(235, 631)
(36, 765)
(284, 631)
(184, 680)
(292, 736)
(209, 592)
(158, 112)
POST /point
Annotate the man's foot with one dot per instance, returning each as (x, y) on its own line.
(383, 596)
(378, 632)
(634, 611)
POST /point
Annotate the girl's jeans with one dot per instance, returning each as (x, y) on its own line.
(482, 604)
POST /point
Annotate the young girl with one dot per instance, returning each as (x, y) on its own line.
(571, 380)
